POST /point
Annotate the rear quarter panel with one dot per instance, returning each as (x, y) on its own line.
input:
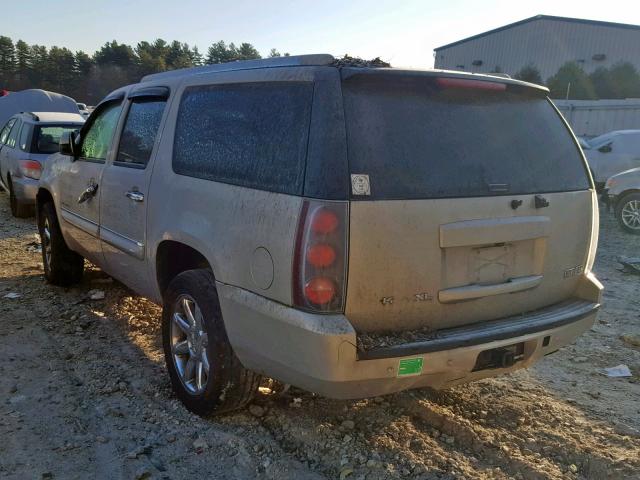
(231, 226)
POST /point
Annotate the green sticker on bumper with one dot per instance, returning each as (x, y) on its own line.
(410, 366)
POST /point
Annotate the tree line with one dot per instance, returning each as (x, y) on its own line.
(622, 80)
(88, 78)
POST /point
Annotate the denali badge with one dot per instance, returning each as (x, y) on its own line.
(574, 271)
(418, 297)
(423, 297)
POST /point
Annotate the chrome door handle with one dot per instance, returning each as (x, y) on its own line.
(135, 196)
(88, 193)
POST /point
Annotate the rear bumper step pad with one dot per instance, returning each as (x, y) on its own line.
(510, 327)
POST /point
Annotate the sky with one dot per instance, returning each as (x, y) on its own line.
(403, 32)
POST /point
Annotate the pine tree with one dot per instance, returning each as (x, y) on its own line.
(7, 62)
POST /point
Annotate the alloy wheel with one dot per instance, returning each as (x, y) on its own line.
(46, 242)
(189, 344)
(630, 214)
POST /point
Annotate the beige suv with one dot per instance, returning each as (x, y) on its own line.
(351, 231)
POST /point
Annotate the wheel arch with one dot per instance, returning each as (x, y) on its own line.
(623, 194)
(43, 196)
(174, 257)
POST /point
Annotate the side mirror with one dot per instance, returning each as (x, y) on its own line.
(605, 148)
(68, 143)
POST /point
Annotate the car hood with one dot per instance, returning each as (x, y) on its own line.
(633, 172)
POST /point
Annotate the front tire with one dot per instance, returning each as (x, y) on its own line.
(62, 266)
(628, 213)
(205, 373)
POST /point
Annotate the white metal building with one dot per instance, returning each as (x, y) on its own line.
(546, 42)
(595, 117)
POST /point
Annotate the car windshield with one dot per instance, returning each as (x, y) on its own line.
(47, 137)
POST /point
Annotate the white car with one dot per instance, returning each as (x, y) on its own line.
(84, 111)
(612, 153)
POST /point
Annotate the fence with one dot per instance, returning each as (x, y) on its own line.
(594, 117)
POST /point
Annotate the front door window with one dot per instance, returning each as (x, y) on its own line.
(97, 139)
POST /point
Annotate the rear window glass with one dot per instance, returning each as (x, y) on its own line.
(252, 135)
(47, 138)
(416, 139)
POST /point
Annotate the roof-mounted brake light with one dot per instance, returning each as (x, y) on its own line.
(447, 82)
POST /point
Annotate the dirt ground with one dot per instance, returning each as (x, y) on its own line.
(84, 394)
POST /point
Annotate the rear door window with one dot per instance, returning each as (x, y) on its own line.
(4, 133)
(253, 135)
(139, 132)
(416, 138)
(12, 139)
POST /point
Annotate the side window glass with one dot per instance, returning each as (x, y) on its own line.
(24, 138)
(4, 134)
(253, 135)
(97, 139)
(139, 132)
(13, 135)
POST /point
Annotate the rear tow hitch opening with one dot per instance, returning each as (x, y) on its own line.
(502, 357)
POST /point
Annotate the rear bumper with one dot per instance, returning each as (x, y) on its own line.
(318, 352)
(25, 189)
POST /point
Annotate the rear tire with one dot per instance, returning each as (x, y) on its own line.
(628, 213)
(62, 266)
(18, 210)
(205, 373)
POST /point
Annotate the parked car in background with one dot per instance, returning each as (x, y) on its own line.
(622, 193)
(612, 153)
(326, 226)
(84, 111)
(26, 140)
(584, 143)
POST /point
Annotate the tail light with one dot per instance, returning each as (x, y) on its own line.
(320, 257)
(30, 169)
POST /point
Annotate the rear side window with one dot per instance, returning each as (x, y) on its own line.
(417, 139)
(253, 135)
(139, 132)
(24, 138)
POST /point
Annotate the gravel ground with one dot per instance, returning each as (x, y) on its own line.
(84, 394)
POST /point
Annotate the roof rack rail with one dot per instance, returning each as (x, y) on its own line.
(320, 59)
(33, 116)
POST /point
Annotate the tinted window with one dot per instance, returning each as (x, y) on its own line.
(4, 134)
(139, 132)
(96, 140)
(12, 139)
(253, 135)
(47, 138)
(24, 137)
(416, 139)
